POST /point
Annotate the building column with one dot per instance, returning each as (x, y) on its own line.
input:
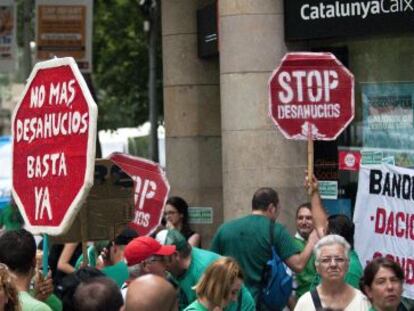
(255, 154)
(192, 113)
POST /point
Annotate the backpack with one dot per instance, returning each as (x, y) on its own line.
(276, 282)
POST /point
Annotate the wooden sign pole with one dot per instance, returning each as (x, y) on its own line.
(310, 159)
(84, 228)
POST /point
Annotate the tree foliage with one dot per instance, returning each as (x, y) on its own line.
(120, 61)
(120, 74)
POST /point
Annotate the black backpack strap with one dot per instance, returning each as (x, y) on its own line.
(316, 299)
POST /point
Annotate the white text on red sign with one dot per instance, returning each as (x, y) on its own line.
(46, 126)
(52, 124)
(144, 190)
(301, 86)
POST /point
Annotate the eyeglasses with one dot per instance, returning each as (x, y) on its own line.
(154, 259)
(337, 260)
(170, 213)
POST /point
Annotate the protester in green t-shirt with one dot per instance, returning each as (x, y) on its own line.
(145, 255)
(247, 239)
(188, 265)
(219, 285)
(304, 227)
(18, 252)
(115, 266)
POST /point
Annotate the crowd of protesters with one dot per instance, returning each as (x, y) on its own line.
(169, 271)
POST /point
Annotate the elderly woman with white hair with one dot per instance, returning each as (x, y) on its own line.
(332, 261)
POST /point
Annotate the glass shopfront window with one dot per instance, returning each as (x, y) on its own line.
(382, 130)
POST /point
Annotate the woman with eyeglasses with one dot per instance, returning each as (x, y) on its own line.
(176, 215)
(218, 287)
(9, 300)
(335, 224)
(383, 284)
(332, 262)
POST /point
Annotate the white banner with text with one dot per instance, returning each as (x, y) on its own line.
(384, 217)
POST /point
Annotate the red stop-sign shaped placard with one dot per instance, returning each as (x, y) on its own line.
(54, 134)
(151, 190)
(311, 95)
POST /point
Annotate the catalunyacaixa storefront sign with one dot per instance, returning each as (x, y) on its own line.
(316, 19)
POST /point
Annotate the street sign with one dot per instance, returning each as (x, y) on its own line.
(54, 136)
(311, 95)
(349, 160)
(200, 215)
(151, 190)
(328, 189)
(64, 28)
(8, 30)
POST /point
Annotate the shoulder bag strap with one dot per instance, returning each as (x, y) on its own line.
(316, 299)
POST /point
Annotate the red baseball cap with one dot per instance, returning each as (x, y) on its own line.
(143, 247)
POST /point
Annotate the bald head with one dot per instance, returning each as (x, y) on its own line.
(100, 293)
(151, 292)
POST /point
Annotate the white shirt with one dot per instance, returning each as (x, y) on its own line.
(359, 303)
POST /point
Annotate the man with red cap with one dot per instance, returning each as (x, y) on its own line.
(146, 255)
(149, 254)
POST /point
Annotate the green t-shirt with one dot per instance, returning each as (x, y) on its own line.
(29, 303)
(304, 279)
(91, 258)
(355, 270)
(200, 260)
(54, 303)
(10, 218)
(196, 306)
(247, 240)
(117, 272)
(401, 307)
(353, 275)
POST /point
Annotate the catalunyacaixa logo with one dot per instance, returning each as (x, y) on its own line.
(362, 9)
